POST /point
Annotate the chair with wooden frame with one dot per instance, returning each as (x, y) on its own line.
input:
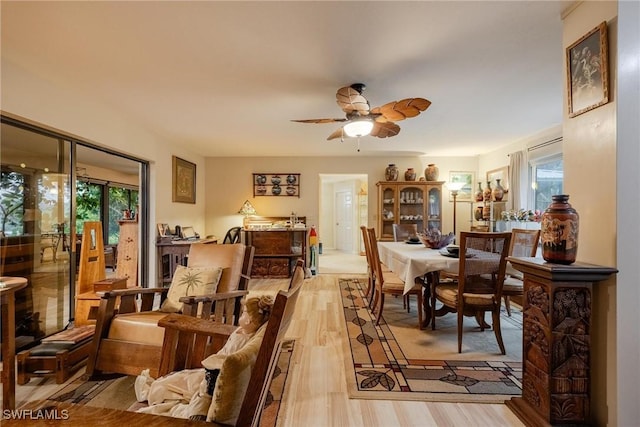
(479, 281)
(186, 338)
(524, 243)
(128, 339)
(402, 232)
(389, 283)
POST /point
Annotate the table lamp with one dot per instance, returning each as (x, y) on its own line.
(454, 187)
(246, 210)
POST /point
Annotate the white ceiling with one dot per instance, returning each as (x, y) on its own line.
(227, 78)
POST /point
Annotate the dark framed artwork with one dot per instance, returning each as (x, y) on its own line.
(588, 71)
(184, 181)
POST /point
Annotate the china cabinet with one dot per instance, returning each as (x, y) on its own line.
(409, 202)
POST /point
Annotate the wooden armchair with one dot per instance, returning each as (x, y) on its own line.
(524, 243)
(186, 344)
(128, 338)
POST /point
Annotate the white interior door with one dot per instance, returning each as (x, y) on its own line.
(344, 220)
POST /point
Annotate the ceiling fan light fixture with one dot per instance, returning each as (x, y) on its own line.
(358, 128)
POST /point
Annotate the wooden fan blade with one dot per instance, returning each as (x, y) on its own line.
(384, 129)
(400, 110)
(351, 101)
(320, 120)
(337, 134)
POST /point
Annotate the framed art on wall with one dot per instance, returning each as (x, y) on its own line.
(466, 192)
(587, 71)
(184, 181)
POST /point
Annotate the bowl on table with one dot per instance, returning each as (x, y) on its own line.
(435, 241)
(453, 249)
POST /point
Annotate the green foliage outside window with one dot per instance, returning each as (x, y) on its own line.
(11, 203)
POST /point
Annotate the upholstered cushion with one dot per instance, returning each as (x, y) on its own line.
(190, 281)
(512, 286)
(233, 381)
(138, 327)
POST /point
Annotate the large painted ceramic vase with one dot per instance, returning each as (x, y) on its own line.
(431, 172)
(391, 173)
(560, 231)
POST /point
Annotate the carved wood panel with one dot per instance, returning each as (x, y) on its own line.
(556, 336)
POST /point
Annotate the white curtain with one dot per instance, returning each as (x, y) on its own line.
(518, 181)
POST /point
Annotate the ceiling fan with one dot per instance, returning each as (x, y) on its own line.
(362, 120)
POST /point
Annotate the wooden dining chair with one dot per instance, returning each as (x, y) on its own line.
(370, 293)
(480, 278)
(524, 243)
(402, 232)
(388, 283)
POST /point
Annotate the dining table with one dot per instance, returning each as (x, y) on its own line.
(416, 263)
(8, 288)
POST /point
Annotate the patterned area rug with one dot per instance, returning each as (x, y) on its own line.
(395, 360)
(118, 392)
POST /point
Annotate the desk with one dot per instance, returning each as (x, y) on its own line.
(7, 305)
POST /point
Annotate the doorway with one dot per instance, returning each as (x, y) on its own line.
(343, 208)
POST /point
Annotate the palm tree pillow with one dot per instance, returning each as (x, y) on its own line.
(190, 281)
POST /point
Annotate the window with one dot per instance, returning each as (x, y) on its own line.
(547, 180)
(120, 199)
(546, 173)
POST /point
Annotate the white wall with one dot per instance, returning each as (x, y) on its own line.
(628, 206)
(35, 99)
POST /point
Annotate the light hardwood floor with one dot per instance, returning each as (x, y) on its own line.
(316, 393)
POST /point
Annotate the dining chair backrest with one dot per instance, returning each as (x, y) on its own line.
(402, 232)
(367, 244)
(524, 243)
(482, 255)
(375, 256)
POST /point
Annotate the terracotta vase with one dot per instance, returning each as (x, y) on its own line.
(479, 196)
(559, 233)
(487, 193)
(498, 192)
(391, 172)
(410, 175)
(478, 214)
(431, 172)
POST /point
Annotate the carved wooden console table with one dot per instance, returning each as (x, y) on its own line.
(556, 341)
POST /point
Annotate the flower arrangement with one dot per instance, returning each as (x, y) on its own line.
(522, 215)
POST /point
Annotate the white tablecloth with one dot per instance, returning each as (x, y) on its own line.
(411, 261)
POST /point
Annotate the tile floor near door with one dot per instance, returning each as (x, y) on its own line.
(337, 262)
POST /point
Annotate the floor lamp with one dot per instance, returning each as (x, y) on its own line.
(454, 187)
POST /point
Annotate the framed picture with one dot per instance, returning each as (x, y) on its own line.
(587, 71)
(501, 174)
(163, 230)
(184, 181)
(465, 194)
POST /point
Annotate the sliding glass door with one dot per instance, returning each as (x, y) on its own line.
(50, 186)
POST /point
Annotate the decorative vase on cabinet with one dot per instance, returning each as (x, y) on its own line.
(498, 192)
(431, 172)
(410, 175)
(391, 172)
(479, 196)
(559, 233)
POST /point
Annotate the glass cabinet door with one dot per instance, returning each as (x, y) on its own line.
(434, 208)
(411, 207)
(389, 212)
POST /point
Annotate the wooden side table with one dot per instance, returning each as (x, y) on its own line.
(8, 288)
(556, 340)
